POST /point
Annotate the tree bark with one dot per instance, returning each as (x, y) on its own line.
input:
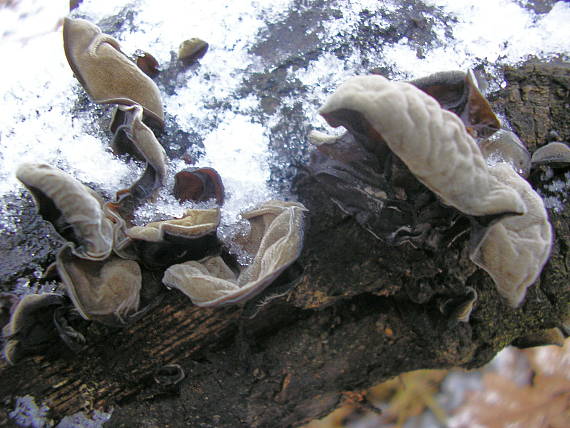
(361, 312)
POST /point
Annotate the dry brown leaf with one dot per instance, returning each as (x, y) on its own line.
(543, 402)
(410, 395)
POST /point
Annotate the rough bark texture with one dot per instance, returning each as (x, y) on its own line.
(360, 313)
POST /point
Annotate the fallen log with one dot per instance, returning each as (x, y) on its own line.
(360, 312)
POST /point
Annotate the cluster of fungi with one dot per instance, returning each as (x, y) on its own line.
(108, 265)
(421, 163)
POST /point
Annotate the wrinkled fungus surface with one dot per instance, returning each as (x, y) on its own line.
(390, 123)
(516, 249)
(105, 72)
(276, 239)
(431, 141)
(73, 209)
(107, 291)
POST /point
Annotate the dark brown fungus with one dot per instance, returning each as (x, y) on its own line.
(74, 209)
(192, 50)
(171, 374)
(458, 92)
(147, 63)
(198, 185)
(31, 329)
(352, 180)
(555, 155)
(132, 136)
(506, 146)
(74, 4)
(62, 319)
(551, 336)
(276, 238)
(459, 308)
(380, 193)
(106, 73)
(107, 291)
(432, 142)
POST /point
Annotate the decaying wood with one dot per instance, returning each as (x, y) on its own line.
(360, 313)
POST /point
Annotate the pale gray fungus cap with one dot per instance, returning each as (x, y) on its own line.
(515, 250)
(106, 73)
(432, 142)
(107, 291)
(194, 224)
(74, 209)
(555, 155)
(276, 238)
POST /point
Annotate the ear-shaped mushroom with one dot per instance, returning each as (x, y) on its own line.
(551, 336)
(105, 72)
(432, 142)
(147, 63)
(506, 146)
(8, 302)
(73, 209)
(276, 236)
(379, 192)
(199, 185)
(166, 242)
(106, 291)
(459, 308)
(30, 328)
(516, 249)
(134, 137)
(192, 50)
(555, 155)
(194, 224)
(458, 92)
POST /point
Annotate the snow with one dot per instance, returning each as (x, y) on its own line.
(38, 89)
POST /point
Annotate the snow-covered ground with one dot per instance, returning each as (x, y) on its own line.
(38, 90)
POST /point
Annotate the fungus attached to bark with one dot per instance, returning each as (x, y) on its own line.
(275, 237)
(555, 155)
(551, 336)
(515, 250)
(192, 50)
(510, 232)
(198, 185)
(163, 243)
(8, 302)
(458, 92)
(105, 72)
(107, 291)
(31, 328)
(132, 136)
(73, 209)
(432, 142)
(506, 146)
(352, 178)
(194, 224)
(459, 308)
(147, 63)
